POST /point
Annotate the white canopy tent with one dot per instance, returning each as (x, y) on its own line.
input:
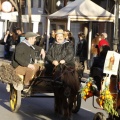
(81, 10)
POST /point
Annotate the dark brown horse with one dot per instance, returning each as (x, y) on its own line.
(65, 94)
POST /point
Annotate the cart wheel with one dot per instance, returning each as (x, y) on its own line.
(111, 117)
(77, 103)
(99, 116)
(15, 99)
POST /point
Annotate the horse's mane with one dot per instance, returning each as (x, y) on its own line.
(69, 77)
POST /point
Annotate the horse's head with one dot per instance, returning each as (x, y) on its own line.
(68, 76)
(57, 72)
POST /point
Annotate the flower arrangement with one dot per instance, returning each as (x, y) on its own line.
(105, 100)
(88, 89)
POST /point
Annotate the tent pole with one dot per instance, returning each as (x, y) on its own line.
(48, 33)
(68, 24)
(89, 41)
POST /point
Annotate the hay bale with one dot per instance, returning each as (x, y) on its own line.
(8, 75)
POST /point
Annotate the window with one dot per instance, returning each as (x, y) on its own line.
(23, 2)
(53, 26)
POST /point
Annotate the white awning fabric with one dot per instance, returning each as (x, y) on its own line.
(83, 10)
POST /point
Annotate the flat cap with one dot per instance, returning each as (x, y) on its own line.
(30, 34)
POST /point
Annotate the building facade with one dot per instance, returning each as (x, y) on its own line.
(43, 8)
(38, 18)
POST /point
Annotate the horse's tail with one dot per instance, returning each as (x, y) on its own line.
(71, 80)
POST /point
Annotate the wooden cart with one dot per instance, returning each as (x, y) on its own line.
(39, 85)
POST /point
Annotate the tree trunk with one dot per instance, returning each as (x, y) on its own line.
(19, 14)
(65, 2)
(29, 14)
(14, 3)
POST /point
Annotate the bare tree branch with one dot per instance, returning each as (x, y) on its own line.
(29, 14)
(20, 13)
(14, 4)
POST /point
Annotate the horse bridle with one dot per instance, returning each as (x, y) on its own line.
(61, 69)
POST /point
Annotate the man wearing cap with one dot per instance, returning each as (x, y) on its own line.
(61, 51)
(24, 58)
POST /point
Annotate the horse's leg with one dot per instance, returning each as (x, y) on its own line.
(65, 107)
(71, 100)
(66, 102)
(58, 101)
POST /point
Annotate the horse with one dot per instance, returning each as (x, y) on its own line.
(65, 94)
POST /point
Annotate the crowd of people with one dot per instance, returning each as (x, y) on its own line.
(10, 40)
(97, 49)
(61, 50)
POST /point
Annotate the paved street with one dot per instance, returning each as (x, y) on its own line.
(41, 108)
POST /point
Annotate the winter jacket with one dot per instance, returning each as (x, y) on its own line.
(59, 52)
(24, 54)
(103, 42)
(82, 50)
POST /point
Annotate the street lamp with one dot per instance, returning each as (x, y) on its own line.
(58, 3)
(6, 6)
